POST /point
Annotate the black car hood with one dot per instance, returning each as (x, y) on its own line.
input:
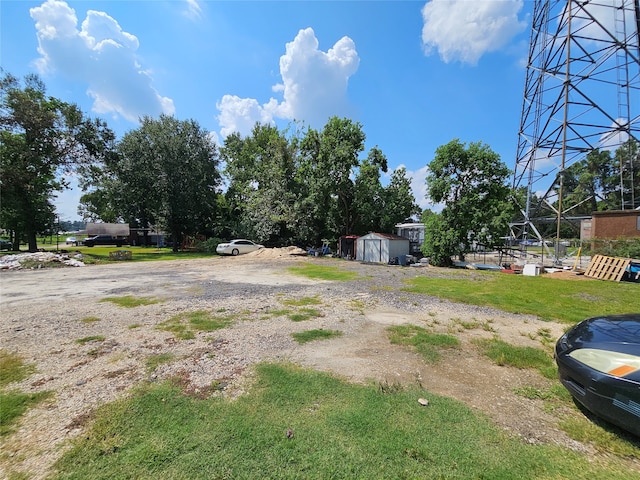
(615, 334)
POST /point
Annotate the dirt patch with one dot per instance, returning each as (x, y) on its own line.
(44, 313)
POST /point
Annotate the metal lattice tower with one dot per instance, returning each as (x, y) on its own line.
(582, 92)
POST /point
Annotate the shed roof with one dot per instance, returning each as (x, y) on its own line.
(387, 236)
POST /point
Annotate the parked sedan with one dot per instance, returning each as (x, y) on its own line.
(71, 241)
(5, 244)
(599, 363)
(237, 247)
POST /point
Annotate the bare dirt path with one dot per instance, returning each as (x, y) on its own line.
(45, 312)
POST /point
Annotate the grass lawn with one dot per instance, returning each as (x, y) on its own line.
(567, 301)
(298, 423)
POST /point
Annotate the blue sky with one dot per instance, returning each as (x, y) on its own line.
(415, 74)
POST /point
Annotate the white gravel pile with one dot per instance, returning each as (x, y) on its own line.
(14, 262)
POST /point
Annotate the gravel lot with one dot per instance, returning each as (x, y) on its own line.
(45, 312)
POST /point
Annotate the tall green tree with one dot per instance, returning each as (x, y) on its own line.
(41, 139)
(262, 185)
(399, 202)
(471, 183)
(369, 193)
(329, 160)
(165, 175)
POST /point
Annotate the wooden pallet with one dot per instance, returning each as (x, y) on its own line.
(607, 268)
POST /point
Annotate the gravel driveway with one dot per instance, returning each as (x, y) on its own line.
(45, 312)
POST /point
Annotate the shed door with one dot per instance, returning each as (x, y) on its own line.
(373, 250)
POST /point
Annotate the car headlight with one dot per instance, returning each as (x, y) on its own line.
(605, 361)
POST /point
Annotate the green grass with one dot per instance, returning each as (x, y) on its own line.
(503, 353)
(90, 319)
(14, 405)
(129, 301)
(184, 324)
(304, 314)
(100, 254)
(92, 338)
(13, 368)
(301, 302)
(424, 342)
(316, 334)
(323, 272)
(599, 435)
(338, 430)
(567, 301)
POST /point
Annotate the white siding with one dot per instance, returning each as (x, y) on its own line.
(376, 248)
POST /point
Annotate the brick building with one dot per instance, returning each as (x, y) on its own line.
(613, 224)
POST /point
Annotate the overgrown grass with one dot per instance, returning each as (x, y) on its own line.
(185, 324)
(336, 430)
(567, 301)
(323, 272)
(13, 368)
(316, 334)
(426, 343)
(129, 301)
(503, 353)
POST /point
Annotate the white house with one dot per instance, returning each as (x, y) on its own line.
(381, 247)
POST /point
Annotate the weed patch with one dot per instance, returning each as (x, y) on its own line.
(14, 405)
(317, 334)
(503, 353)
(184, 324)
(153, 361)
(424, 342)
(92, 338)
(90, 319)
(13, 368)
(304, 314)
(130, 301)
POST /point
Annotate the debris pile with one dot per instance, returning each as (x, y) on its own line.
(38, 260)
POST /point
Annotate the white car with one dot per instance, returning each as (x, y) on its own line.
(237, 247)
(71, 241)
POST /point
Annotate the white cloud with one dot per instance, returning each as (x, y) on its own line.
(464, 31)
(240, 114)
(314, 86)
(193, 9)
(101, 55)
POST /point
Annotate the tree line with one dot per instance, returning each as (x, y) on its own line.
(292, 186)
(277, 187)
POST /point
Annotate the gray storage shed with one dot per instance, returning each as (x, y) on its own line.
(381, 247)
